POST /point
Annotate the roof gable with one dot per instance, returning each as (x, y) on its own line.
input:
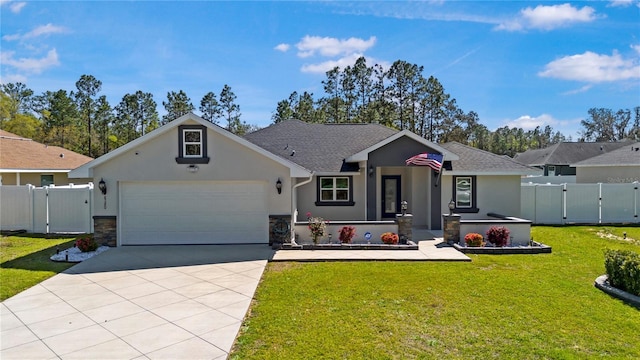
(19, 153)
(363, 155)
(87, 169)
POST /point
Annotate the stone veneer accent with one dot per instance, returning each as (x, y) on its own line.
(273, 236)
(405, 222)
(105, 230)
(451, 228)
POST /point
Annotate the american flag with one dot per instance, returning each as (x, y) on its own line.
(433, 161)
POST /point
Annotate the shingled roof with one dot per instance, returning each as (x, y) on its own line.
(628, 155)
(318, 147)
(566, 153)
(474, 160)
(18, 153)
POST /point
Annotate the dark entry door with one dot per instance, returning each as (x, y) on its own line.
(390, 196)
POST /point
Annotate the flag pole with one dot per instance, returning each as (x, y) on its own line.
(438, 178)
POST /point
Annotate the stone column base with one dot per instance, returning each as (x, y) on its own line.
(105, 230)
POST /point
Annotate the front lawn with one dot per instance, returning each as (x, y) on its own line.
(497, 306)
(24, 261)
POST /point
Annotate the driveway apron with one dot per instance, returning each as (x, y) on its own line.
(141, 302)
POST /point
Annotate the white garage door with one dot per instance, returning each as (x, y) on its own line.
(207, 212)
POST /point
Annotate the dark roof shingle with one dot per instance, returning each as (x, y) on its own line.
(626, 155)
(318, 147)
(474, 160)
(566, 153)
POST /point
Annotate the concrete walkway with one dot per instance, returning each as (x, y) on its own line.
(157, 302)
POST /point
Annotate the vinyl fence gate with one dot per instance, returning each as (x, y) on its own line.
(49, 209)
(581, 203)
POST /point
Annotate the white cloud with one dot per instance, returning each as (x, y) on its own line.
(527, 122)
(14, 7)
(620, 3)
(42, 30)
(636, 48)
(592, 67)
(17, 7)
(30, 65)
(582, 89)
(548, 17)
(282, 47)
(329, 47)
(350, 60)
(13, 78)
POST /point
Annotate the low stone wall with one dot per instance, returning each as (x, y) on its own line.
(520, 229)
(375, 228)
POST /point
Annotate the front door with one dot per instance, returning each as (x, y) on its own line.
(390, 196)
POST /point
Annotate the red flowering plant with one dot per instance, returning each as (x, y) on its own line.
(498, 235)
(347, 233)
(389, 238)
(317, 227)
(474, 239)
(86, 244)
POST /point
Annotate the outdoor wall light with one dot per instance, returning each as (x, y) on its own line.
(404, 205)
(103, 189)
(279, 186)
(371, 170)
(102, 186)
(452, 205)
(193, 168)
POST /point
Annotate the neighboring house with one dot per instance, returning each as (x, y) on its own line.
(557, 159)
(192, 182)
(618, 166)
(24, 161)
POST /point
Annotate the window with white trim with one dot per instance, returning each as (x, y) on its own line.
(192, 143)
(464, 194)
(335, 190)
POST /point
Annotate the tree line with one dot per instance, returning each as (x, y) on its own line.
(399, 97)
(83, 121)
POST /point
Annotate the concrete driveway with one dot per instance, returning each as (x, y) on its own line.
(143, 302)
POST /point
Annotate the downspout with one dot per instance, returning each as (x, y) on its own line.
(294, 200)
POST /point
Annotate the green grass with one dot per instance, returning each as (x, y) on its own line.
(24, 261)
(497, 306)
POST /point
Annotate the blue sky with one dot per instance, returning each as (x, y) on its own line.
(516, 63)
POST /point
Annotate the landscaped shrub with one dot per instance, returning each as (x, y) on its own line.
(347, 233)
(623, 270)
(474, 239)
(86, 244)
(389, 238)
(317, 227)
(498, 235)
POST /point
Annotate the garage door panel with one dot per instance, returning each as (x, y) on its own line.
(193, 213)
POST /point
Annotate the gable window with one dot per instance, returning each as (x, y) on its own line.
(335, 191)
(192, 147)
(192, 143)
(464, 194)
(46, 180)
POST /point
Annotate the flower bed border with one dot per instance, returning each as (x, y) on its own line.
(409, 246)
(602, 283)
(538, 248)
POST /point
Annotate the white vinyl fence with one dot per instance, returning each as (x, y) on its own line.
(54, 209)
(581, 203)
